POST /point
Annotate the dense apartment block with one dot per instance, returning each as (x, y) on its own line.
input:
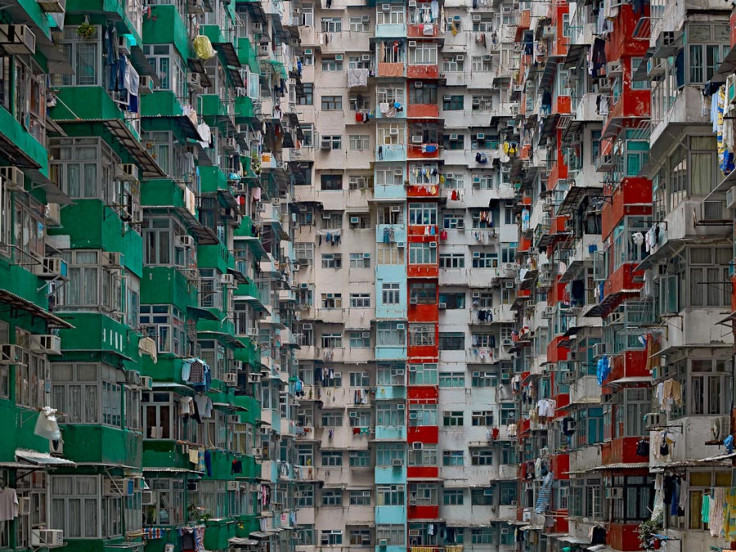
(308, 276)
(147, 374)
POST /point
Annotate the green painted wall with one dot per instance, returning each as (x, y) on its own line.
(102, 444)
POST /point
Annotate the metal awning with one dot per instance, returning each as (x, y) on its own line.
(227, 49)
(229, 406)
(550, 124)
(727, 66)
(204, 314)
(574, 53)
(155, 469)
(17, 302)
(42, 459)
(239, 542)
(621, 466)
(230, 339)
(185, 124)
(125, 136)
(259, 535)
(632, 379)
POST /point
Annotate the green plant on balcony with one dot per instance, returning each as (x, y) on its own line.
(86, 30)
(647, 529)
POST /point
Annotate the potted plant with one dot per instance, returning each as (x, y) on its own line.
(86, 30)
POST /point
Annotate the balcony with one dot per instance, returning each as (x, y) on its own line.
(423, 71)
(423, 30)
(448, 548)
(423, 151)
(392, 152)
(422, 111)
(391, 69)
(390, 233)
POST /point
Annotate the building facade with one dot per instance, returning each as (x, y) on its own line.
(405, 275)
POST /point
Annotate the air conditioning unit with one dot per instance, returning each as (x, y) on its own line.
(13, 178)
(417, 446)
(228, 280)
(400, 406)
(509, 285)
(383, 543)
(17, 39)
(254, 378)
(366, 19)
(124, 45)
(446, 98)
(652, 420)
(148, 498)
(506, 342)
(461, 224)
(118, 487)
(11, 354)
(432, 244)
(400, 245)
(385, 7)
(460, 57)
(417, 139)
(365, 57)
(614, 68)
(47, 538)
(397, 463)
(400, 326)
(184, 241)
(339, 57)
(731, 198)
(52, 6)
(308, 51)
(486, 58)
(112, 259)
(418, 84)
(231, 378)
(354, 220)
(476, 18)
(614, 492)
(453, 138)
(442, 306)
(412, 44)
(146, 382)
(394, 131)
(233, 486)
(396, 208)
(46, 344)
(51, 267)
(480, 136)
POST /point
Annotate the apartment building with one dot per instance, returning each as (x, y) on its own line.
(406, 247)
(624, 281)
(147, 374)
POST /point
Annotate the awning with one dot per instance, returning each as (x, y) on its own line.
(574, 53)
(154, 469)
(125, 136)
(230, 339)
(621, 466)
(228, 406)
(203, 314)
(227, 49)
(43, 459)
(16, 302)
(239, 542)
(185, 124)
(632, 379)
(259, 535)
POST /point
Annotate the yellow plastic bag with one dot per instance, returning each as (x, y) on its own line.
(203, 47)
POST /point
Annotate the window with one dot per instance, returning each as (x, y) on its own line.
(422, 253)
(481, 536)
(331, 103)
(331, 538)
(332, 65)
(423, 494)
(332, 458)
(360, 498)
(304, 252)
(91, 286)
(481, 64)
(421, 335)
(308, 140)
(387, 453)
(306, 95)
(389, 414)
(331, 220)
(332, 418)
(388, 334)
(331, 182)
(481, 497)
(453, 64)
(427, 94)
(636, 498)
(360, 260)
(304, 535)
(483, 103)
(358, 25)
(452, 301)
(423, 54)
(390, 293)
(452, 379)
(389, 495)
(360, 340)
(360, 459)
(423, 294)
(360, 142)
(426, 456)
(169, 67)
(452, 260)
(307, 15)
(422, 415)
(85, 58)
(361, 537)
(331, 300)
(453, 103)
(394, 535)
(452, 497)
(88, 393)
(360, 418)
(452, 418)
(423, 374)
(452, 341)
(75, 506)
(482, 418)
(331, 25)
(453, 458)
(483, 259)
(332, 341)
(484, 379)
(389, 254)
(395, 16)
(422, 214)
(332, 260)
